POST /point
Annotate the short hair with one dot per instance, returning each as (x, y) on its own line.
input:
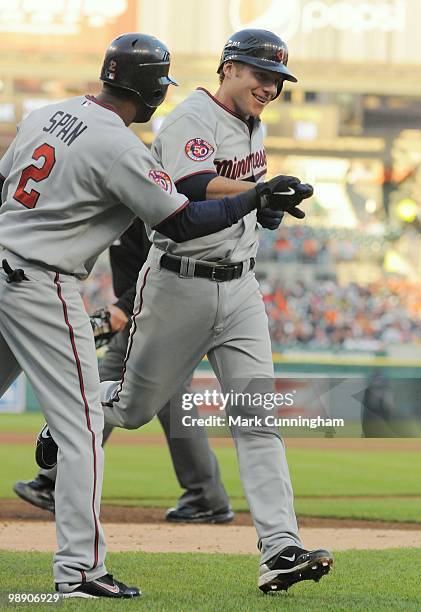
(236, 64)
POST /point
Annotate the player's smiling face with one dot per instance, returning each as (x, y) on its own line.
(248, 90)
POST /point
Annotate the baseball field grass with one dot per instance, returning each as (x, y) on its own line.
(360, 580)
(337, 482)
(329, 482)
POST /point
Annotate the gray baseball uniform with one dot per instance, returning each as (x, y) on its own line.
(202, 136)
(180, 317)
(67, 173)
(194, 462)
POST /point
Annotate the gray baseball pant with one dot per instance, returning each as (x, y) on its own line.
(195, 464)
(179, 319)
(45, 331)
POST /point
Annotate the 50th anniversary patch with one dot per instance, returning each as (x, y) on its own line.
(198, 149)
(162, 179)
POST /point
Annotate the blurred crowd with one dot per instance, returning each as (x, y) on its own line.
(322, 315)
(311, 313)
(97, 289)
(321, 245)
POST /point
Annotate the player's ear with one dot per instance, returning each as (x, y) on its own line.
(228, 69)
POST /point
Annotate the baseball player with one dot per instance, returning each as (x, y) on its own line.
(196, 466)
(73, 180)
(201, 296)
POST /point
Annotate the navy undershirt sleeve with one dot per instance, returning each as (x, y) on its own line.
(194, 187)
(199, 219)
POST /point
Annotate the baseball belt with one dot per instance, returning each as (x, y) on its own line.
(215, 272)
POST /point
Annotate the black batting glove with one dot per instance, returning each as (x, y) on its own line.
(283, 193)
(279, 184)
(269, 218)
(290, 201)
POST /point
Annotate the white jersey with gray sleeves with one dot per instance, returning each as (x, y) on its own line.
(199, 136)
(76, 177)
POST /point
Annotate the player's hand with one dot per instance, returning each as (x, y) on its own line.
(290, 201)
(284, 193)
(118, 318)
(269, 218)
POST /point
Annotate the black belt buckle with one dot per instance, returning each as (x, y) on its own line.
(217, 273)
(226, 272)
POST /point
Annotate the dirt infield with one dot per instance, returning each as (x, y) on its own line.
(12, 510)
(239, 539)
(135, 439)
(24, 527)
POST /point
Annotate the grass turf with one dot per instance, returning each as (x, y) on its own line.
(359, 580)
(28, 421)
(381, 485)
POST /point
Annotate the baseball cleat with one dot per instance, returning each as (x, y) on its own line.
(46, 449)
(38, 492)
(105, 586)
(188, 514)
(291, 565)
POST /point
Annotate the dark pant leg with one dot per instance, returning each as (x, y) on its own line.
(9, 367)
(195, 464)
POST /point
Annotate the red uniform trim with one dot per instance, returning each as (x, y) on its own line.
(215, 174)
(131, 335)
(224, 107)
(88, 418)
(256, 178)
(172, 214)
(107, 106)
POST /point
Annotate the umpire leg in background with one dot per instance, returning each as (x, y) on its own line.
(195, 464)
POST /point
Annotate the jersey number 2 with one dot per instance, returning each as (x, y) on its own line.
(30, 198)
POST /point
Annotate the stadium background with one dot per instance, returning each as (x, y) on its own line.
(342, 291)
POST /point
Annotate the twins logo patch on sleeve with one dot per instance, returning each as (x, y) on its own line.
(198, 149)
(162, 179)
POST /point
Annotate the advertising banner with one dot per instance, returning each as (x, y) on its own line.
(14, 400)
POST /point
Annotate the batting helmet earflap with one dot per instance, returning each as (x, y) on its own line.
(259, 48)
(139, 63)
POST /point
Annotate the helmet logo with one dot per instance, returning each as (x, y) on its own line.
(162, 179)
(111, 70)
(198, 149)
(280, 56)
